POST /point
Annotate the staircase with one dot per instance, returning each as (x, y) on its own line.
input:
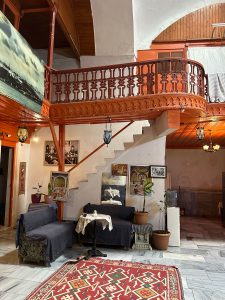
(87, 178)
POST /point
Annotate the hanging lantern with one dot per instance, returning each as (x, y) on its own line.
(22, 134)
(200, 133)
(107, 136)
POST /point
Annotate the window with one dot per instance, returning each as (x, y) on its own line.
(167, 67)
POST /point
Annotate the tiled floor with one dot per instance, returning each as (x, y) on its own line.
(200, 259)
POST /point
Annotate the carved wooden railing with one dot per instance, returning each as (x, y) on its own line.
(125, 80)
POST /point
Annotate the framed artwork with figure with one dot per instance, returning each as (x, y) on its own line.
(59, 183)
(138, 174)
(119, 169)
(70, 153)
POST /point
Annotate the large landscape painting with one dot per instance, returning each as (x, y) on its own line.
(21, 71)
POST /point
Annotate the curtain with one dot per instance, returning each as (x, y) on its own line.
(213, 61)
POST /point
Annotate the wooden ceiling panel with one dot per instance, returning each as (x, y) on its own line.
(185, 137)
(196, 25)
(74, 25)
(32, 4)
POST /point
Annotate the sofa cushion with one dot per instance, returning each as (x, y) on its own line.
(57, 234)
(120, 234)
(117, 211)
(35, 219)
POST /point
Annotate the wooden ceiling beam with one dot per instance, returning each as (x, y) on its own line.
(35, 10)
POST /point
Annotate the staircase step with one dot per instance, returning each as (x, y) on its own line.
(112, 154)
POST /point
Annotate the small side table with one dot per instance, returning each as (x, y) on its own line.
(142, 232)
(84, 220)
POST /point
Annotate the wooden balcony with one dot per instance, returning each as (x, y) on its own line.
(126, 92)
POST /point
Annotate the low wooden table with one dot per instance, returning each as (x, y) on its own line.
(141, 239)
(84, 220)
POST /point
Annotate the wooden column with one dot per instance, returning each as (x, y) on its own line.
(51, 39)
(61, 166)
(62, 146)
(51, 50)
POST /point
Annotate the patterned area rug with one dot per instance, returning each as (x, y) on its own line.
(96, 279)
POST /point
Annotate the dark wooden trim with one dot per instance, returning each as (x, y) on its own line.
(11, 144)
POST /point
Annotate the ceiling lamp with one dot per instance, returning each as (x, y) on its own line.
(22, 134)
(211, 147)
(200, 133)
(107, 136)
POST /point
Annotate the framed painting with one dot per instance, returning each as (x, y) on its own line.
(119, 169)
(158, 171)
(113, 189)
(22, 72)
(70, 153)
(59, 183)
(138, 174)
(22, 178)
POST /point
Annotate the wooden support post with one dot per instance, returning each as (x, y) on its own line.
(52, 128)
(60, 204)
(14, 10)
(62, 146)
(51, 39)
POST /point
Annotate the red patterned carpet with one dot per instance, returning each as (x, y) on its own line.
(108, 280)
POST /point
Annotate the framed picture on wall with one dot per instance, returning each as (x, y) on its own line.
(158, 171)
(22, 178)
(70, 156)
(59, 184)
(138, 174)
(113, 189)
(119, 169)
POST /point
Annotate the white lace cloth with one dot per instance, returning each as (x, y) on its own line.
(84, 221)
(111, 202)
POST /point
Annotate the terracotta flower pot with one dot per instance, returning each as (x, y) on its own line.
(160, 239)
(140, 217)
(48, 199)
(35, 198)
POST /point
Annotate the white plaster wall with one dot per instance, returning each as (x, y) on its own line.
(89, 137)
(123, 27)
(195, 168)
(20, 201)
(94, 61)
(62, 58)
(152, 17)
(147, 150)
(113, 27)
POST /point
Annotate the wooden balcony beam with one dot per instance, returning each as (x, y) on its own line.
(36, 10)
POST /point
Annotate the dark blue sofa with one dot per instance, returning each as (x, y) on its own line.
(122, 218)
(41, 237)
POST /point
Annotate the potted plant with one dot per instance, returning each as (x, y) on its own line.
(36, 198)
(160, 238)
(49, 197)
(141, 217)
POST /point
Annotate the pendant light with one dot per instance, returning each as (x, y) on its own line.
(107, 135)
(211, 147)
